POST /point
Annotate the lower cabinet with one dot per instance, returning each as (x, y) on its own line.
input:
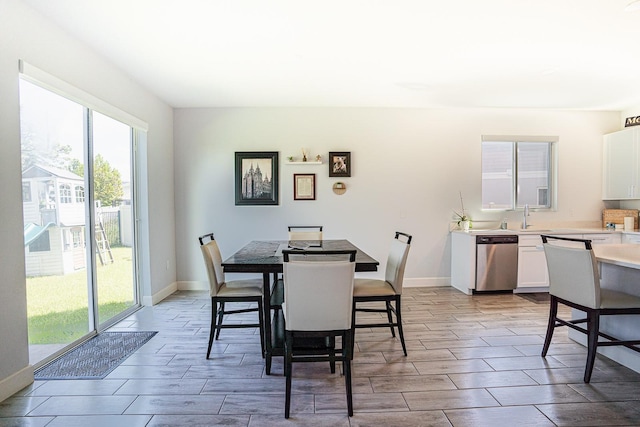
(532, 264)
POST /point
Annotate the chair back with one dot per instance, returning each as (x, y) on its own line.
(396, 261)
(213, 262)
(318, 290)
(573, 271)
(305, 232)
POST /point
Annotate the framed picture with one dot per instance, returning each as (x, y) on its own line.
(256, 178)
(304, 186)
(340, 163)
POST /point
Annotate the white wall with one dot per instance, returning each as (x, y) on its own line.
(408, 166)
(24, 34)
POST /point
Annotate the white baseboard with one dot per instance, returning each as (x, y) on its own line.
(193, 286)
(149, 300)
(426, 282)
(173, 287)
(16, 382)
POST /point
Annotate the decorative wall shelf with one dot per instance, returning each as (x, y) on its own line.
(304, 163)
(339, 188)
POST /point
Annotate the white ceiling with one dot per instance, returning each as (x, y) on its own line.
(566, 54)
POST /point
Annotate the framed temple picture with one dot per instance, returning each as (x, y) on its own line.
(304, 186)
(340, 163)
(256, 178)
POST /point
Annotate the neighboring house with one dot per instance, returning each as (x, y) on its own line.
(54, 217)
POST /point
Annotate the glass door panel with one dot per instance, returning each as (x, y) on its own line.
(113, 217)
(52, 138)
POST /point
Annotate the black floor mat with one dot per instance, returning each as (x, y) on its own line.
(537, 297)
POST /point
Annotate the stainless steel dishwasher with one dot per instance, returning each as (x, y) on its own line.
(496, 263)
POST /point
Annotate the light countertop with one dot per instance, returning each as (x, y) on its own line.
(622, 254)
(529, 231)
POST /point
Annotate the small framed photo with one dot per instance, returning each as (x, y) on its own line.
(304, 186)
(340, 163)
(256, 178)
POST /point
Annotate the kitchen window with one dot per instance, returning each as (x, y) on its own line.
(518, 171)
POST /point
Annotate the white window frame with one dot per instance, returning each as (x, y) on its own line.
(553, 169)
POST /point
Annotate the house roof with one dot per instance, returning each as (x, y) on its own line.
(40, 171)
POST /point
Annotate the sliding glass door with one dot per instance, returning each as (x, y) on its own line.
(115, 275)
(79, 230)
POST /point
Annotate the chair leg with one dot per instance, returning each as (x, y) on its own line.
(551, 325)
(346, 366)
(399, 319)
(288, 343)
(353, 326)
(212, 329)
(593, 327)
(261, 323)
(332, 354)
(390, 318)
(220, 316)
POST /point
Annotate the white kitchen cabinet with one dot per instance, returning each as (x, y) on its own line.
(463, 262)
(532, 264)
(621, 160)
(631, 238)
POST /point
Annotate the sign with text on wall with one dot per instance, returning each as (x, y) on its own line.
(632, 121)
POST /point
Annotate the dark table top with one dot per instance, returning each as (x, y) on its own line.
(265, 256)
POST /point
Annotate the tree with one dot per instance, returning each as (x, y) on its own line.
(107, 180)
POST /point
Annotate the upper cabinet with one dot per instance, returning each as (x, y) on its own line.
(621, 177)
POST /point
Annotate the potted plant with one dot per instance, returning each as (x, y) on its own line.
(463, 220)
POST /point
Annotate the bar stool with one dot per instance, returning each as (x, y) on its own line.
(386, 291)
(223, 291)
(574, 281)
(318, 290)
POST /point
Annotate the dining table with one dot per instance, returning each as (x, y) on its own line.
(265, 257)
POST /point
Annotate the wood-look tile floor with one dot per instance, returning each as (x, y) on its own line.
(473, 361)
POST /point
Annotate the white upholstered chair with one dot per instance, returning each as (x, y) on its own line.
(223, 291)
(305, 232)
(318, 291)
(574, 281)
(386, 291)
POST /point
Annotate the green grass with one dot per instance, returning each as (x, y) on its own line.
(57, 305)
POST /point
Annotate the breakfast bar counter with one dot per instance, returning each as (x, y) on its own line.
(619, 266)
(624, 255)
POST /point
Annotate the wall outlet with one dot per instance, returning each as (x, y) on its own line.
(167, 264)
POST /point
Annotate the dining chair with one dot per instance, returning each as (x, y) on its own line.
(223, 291)
(574, 281)
(318, 290)
(305, 232)
(387, 291)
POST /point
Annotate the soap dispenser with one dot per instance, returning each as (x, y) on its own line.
(503, 226)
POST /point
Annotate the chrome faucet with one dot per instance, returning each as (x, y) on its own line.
(525, 214)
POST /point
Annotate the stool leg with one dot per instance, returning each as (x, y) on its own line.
(388, 306)
(212, 329)
(593, 328)
(220, 316)
(399, 318)
(553, 312)
(288, 344)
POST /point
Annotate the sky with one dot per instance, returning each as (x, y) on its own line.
(53, 119)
